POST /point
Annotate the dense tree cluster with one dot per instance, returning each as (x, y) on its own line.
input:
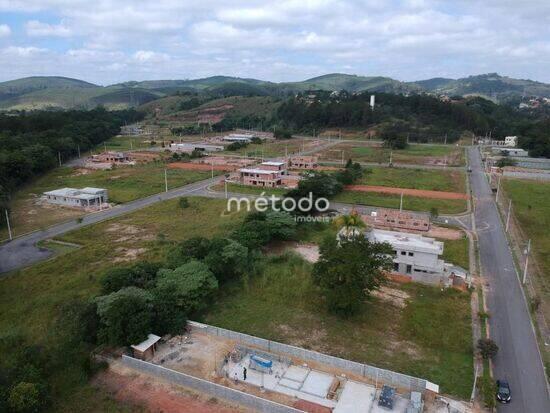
(159, 297)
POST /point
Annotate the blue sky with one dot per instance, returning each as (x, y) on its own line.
(109, 41)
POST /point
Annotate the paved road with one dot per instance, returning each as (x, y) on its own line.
(518, 359)
(22, 251)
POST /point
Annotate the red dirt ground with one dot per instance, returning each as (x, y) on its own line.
(311, 407)
(199, 166)
(406, 191)
(138, 390)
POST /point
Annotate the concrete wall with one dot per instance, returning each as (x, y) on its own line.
(212, 389)
(381, 376)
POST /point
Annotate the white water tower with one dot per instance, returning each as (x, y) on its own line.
(372, 101)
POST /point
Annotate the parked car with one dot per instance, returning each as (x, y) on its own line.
(386, 397)
(503, 392)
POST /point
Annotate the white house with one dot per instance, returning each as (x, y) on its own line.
(511, 141)
(417, 257)
(79, 198)
(190, 147)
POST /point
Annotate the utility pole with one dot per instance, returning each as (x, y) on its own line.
(342, 157)
(59, 157)
(498, 190)
(401, 203)
(165, 180)
(78, 148)
(527, 251)
(445, 139)
(225, 184)
(105, 146)
(212, 168)
(8, 222)
(508, 217)
(391, 153)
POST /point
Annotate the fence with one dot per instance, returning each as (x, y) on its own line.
(373, 373)
(207, 387)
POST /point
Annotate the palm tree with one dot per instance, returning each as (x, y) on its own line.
(349, 224)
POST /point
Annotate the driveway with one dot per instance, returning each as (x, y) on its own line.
(518, 360)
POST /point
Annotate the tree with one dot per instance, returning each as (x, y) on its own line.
(505, 161)
(126, 316)
(26, 398)
(348, 270)
(192, 248)
(141, 274)
(395, 135)
(349, 221)
(487, 348)
(228, 259)
(188, 286)
(351, 173)
(434, 212)
(318, 184)
(281, 133)
(183, 203)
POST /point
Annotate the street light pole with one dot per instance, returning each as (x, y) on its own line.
(527, 251)
(8, 222)
(498, 189)
(508, 217)
(165, 180)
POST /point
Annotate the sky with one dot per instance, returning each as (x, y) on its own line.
(110, 41)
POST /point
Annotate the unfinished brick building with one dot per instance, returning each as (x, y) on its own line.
(401, 219)
(303, 162)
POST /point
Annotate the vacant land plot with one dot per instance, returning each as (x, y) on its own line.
(31, 299)
(430, 337)
(451, 181)
(252, 190)
(419, 154)
(123, 183)
(531, 209)
(270, 149)
(444, 206)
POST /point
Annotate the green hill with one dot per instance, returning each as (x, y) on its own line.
(491, 85)
(59, 92)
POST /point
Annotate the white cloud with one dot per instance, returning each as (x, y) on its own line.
(5, 30)
(39, 29)
(22, 51)
(146, 56)
(281, 39)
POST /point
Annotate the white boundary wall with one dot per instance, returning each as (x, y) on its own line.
(208, 387)
(380, 376)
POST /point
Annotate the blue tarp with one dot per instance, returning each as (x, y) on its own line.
(261, 361)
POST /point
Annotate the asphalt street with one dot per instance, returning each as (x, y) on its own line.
(518, 360)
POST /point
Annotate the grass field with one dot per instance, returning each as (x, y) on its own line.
(414, 154)
(457, 252)
(252, 190)
(531, 207)
(30, 299)
(430, 337)
(278, 148)
(444, 206)
(123, 183)
(451, 181)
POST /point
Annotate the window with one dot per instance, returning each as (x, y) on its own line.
(409, 269)
(396, 266)
(394, 252)
(403, 252)
(411, 254)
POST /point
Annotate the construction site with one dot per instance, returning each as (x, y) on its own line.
(269, 376)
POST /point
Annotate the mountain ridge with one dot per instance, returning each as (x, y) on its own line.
(40, 92)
